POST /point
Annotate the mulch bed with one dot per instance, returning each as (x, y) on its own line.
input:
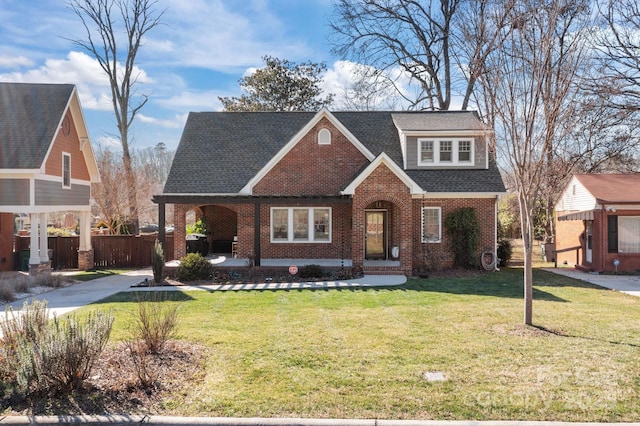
(114, 387)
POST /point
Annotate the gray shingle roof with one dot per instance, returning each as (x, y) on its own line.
(220, 152)
(29, 117)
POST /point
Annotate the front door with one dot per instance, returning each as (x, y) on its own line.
(376, 235)
(588, 252)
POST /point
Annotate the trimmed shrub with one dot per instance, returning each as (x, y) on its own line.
(505, 251)
(194, 267)
(310, 271)
(463, 229)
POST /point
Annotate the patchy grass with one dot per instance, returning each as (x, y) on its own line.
(365, 353)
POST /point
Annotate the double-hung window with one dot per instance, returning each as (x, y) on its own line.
(629, 234)
(434, 152)
(301, 224)
(431, 224)
(66, 170)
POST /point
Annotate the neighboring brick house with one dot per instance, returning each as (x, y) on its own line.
(348, 186)
(598, 222)
(46, 165)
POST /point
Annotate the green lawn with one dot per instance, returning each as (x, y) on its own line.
(364, 353)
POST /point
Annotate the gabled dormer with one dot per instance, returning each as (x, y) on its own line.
(442, 140)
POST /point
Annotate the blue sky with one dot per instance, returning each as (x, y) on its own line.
(199, 53)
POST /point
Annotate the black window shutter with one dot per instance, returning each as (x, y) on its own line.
(612, 227)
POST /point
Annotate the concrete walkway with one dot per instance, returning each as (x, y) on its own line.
(629, 284)
(66, 299)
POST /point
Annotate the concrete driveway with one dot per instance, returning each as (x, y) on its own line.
(629, 284)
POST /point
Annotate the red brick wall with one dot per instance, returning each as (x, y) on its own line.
(312, 169)
(384, 186)
(339, 247)
(439, 255)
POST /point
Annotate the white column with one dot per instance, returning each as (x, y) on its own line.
(44, 242)
(85, 231)
(34, 253)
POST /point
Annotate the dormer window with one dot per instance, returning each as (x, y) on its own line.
(440, 152)
(324, 137)
(66, 170)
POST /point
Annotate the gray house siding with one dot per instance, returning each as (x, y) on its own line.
(14, 192)
(480, 155)
(49, 193)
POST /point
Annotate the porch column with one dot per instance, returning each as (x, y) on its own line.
(34, 253)
(161, 223)
(44, 242)
(86, 258)
(82, 246)
(256, 234)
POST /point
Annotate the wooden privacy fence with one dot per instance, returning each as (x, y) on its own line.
(110, 251)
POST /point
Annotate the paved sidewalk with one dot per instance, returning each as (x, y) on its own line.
(629, 284)
(220, 421)
(66, 299)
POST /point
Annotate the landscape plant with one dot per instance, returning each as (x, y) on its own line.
(194, 267)
(52, 356)
(463, 228)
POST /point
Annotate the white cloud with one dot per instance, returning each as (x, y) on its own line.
(79, 69)
(175, 123)
(15, 61)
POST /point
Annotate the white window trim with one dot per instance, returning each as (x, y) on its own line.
(290, 234)
(324, 137)
(66, 155)
(455, 148)
(633, 224)
(439, 239)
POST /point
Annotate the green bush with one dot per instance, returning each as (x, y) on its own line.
(463, 229)
(505, 251)
(194, 267)
(310, 271)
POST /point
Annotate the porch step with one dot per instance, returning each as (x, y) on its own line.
(382, 270)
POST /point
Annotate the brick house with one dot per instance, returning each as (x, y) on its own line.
(365, 189)
(46, 165)
(598, 222)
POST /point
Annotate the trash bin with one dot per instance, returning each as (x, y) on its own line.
(197, 243)
(24, 260)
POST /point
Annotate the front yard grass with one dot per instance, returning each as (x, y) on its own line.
(365, 353)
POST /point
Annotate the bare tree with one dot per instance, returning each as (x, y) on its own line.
(432, 40)
(530, 87)
(115, 30)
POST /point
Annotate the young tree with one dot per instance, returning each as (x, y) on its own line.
(281, 86)
(115, 30)
(529, 85)
(441, 44)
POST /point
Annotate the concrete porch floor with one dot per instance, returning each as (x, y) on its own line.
(228, 260)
